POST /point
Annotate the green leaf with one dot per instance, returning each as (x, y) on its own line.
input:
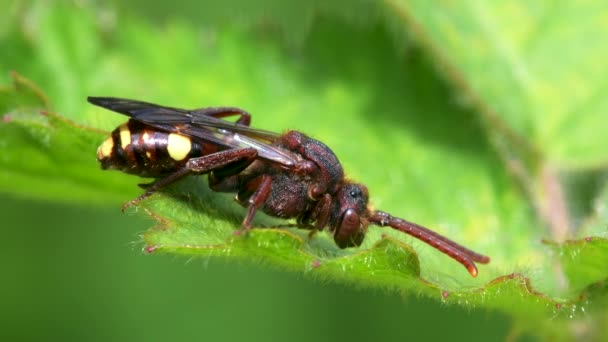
(584, 262)
(387, 113)
(47, 156)
(537, 66)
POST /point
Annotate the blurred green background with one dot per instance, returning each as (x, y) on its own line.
(77, 273)
(461, 116)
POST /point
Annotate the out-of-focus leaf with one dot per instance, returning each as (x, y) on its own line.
(47, 156)
(584, 262)
(394, 124)
(538, 66)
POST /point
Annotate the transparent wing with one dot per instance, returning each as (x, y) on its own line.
(197, 124)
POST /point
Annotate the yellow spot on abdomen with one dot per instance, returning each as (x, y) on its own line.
(145, 137)
(125, 136)
(105, 150)
(178, 146)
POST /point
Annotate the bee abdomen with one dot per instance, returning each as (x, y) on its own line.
(137, 148)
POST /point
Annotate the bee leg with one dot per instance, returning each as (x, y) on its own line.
(319, 215)
(258, 198)
(316, 218)
(321, 212)
(201, 165)
(222, 112)
(157, 185)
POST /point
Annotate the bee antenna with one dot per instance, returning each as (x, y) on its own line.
(463, 255)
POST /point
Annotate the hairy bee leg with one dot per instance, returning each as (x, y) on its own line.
(199, 166)
(322, 210)
(316, 219)
(159, 184)
(256, 200)
(222, 112)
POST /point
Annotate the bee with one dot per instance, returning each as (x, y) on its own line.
(290, 175)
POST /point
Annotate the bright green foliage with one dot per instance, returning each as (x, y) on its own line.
(44, 152)
(537, 65)
(493, 175)
(584, 262)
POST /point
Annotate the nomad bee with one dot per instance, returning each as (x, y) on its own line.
(284, 175)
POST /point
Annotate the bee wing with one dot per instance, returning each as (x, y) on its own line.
(195, 123)
(232, 139)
